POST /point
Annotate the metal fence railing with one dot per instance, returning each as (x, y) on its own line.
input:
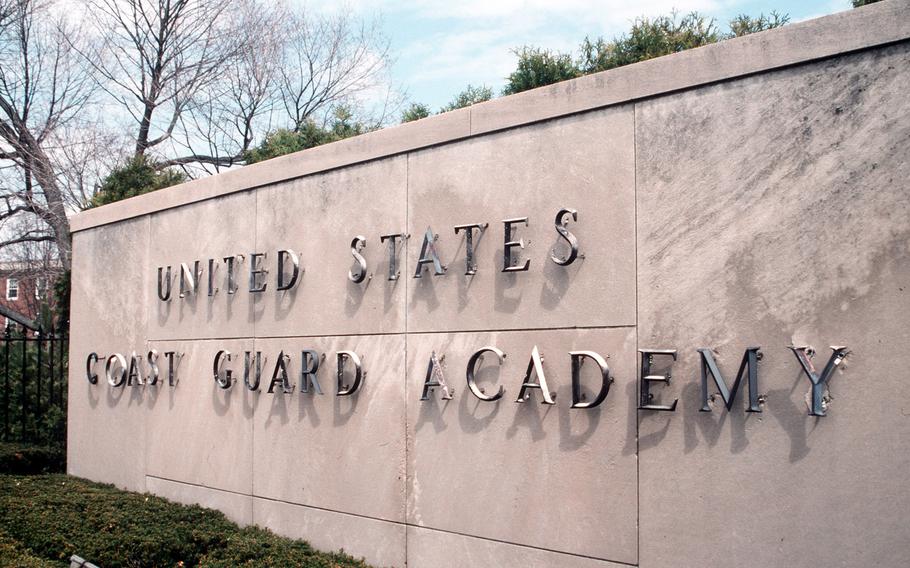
(33, 378)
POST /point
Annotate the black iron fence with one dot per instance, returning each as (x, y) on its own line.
(33, 377)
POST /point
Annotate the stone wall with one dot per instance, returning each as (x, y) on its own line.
(750, 193)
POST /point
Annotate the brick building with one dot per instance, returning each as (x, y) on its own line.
(27, 289)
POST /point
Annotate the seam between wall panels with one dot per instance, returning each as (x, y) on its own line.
(255, 341)
(389, 521)
(407, 218)
(148, 315)
(635, 249)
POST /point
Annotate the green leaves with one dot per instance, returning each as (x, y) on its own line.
(51, 517)
(137, 176)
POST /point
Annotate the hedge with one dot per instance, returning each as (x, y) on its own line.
(55, 516)
(25, 459)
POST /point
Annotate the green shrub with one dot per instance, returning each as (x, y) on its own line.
(56, 516)
(13, 555)
(470, 96)
(539, 67)
(415, 112)
(25, 459)
(139, 175)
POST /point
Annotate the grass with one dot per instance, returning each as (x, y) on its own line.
(44, 519)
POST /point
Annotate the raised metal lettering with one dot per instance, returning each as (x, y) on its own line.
(435, 378)
(342, 358)
(645, 397)
(709, 365)
(469, 261)
(428, 255)
(283, 255)
(356, 246)
(508, 244)
(819, 381)
(535, 366)
(472, 369)
(578, 359)
(561, 224)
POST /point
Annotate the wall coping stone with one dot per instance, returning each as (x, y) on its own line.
(845, 32)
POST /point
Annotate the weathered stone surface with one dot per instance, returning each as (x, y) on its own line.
(341, 453)
(793, 229)
(198, 433)
(771, 210)
(106, 431)
(210, 229)
(235, 506)
(585, 162)
(801, 42)
(437, 549)
(318, 217)
(550, 477)
(381, 543)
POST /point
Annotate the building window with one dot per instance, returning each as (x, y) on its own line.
(12, 288)
(40, 288)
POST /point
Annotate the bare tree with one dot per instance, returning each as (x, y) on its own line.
(43, 90)
(329, 61)
(203, 80)
(195, 82)
(154, 57)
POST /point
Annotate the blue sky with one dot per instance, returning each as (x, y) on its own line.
(442, 46)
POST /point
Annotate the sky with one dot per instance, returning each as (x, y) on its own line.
(442, 46)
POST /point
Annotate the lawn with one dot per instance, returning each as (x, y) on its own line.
(46, 518)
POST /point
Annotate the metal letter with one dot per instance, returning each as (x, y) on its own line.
(171, 356)
(568, 236)
(152, 359)
(469, 262)
(90, 373)
(247, 365)
(295, 262)
(166, 294)
(535, 366)
(819, 382)
(121, 377)
(135, 373)
(393, 256)
(472, 368)
(750, 359)
(435, 378)
(212, 267)
(429, 248)
(280, 375)
(229, 260)
(356, 246)
(645, 396)
(188, 280)
(578, 358)
(228, 379)
(309, 366)
(508, 244)
(255, 271)
(343, 389)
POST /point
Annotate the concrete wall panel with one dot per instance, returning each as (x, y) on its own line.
(209, 229)
(318, 217)
(381, 543)
(235, 506)
(198, 433)
(795, 231)
(437, 549)
(545, 476)
(106, 431)
(583, 162)
(342, 453)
